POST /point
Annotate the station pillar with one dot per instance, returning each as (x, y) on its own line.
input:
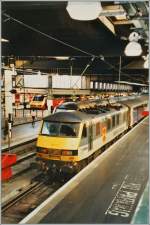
(8, 159)
(8, 102)
(49, 95)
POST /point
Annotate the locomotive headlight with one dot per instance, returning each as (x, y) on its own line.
(42, 150)
(69, 152)
(66, 152)
(45, 151)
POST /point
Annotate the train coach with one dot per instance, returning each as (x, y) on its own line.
(68, 141)
(136, 108)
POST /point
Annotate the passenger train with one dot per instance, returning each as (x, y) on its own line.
(73, 106)
(68, 141)
(39, 102)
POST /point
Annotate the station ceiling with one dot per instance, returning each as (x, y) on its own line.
(39, 31)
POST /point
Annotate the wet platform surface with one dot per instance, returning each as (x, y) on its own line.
(108, 190)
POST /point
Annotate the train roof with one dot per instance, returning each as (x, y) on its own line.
(89, 113)
(71, 117)
(89, 104)
(79, 116)
(136, 101)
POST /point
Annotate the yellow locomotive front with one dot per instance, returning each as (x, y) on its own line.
(38, 102)
(58, 142)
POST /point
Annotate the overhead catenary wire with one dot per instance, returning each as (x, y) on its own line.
(87, 66)
(116, 70)
(47, 35)
(65, 44)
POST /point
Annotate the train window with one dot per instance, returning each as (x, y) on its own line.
(108, 124)
(113, 121)
(51, 129)
(93, 130)
(97, 129)
(84, 139)
(123, 119)
(84, 132)
(117, 119)
(67, 130)
(38, 98)
(124, 116)
(60, 129)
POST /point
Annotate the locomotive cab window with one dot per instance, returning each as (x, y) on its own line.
(60, 129)
(38, 98)
(67, 130)
(51, 129)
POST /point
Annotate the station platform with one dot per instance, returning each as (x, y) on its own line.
(24, 120)
(141, 215)
(21, 134)
(108, 190)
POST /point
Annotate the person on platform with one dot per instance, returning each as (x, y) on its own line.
(5, 129)
(33, 114)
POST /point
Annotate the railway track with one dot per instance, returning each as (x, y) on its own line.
(15, 209)
(23, 165)
(25, 156)
(21, 147)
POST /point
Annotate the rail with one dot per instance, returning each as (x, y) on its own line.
(26, 201)
(18, 145)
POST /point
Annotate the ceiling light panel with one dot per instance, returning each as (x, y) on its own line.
(84, 10)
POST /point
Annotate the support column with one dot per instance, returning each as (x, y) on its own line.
(8, 95)
(8, 103)
(49, 95)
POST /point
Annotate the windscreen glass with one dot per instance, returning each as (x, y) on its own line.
(60, 129)
(38, 98)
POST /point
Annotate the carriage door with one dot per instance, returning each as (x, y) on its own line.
(90, 137)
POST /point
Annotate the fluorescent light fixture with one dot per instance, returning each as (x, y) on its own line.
(62, 57)
(84, 10)
(114, 10)
(134, 36)
(121, 17)
(133, 49)
(4, 40)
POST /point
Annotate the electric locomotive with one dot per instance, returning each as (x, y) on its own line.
(68, 141)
